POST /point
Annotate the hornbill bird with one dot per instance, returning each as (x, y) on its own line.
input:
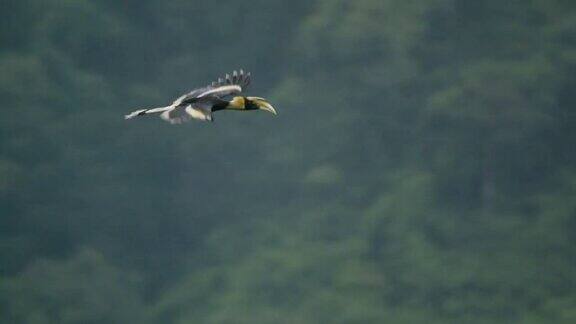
(200, 103)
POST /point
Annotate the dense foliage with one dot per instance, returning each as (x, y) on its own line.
(421, 169)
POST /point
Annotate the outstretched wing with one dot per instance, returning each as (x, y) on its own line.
(230, 85)
(183, 113)
(176, 115)
(200, 112)
(238, 78)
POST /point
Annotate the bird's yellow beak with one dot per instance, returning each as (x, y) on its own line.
(263, 104)
(267, 107)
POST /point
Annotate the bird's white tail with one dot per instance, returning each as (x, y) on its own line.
(142, 112)
(135, 113)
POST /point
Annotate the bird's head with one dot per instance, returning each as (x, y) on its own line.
(251, 103)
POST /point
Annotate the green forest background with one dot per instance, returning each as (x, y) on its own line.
(422, 168)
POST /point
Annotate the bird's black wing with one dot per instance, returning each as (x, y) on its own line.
(230, 85)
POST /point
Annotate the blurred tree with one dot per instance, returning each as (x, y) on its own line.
(85, 289)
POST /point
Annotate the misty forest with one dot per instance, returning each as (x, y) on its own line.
(421, 168)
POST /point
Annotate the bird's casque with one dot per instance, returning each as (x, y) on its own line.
(200, 103)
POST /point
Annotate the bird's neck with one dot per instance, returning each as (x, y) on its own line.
(237, 103)
(220, 105)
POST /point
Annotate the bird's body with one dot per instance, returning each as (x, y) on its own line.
(200, 103)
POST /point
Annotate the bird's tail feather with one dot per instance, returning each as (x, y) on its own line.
(142, 112)
(135, 113)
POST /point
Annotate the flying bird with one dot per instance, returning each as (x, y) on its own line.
(200, 103)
